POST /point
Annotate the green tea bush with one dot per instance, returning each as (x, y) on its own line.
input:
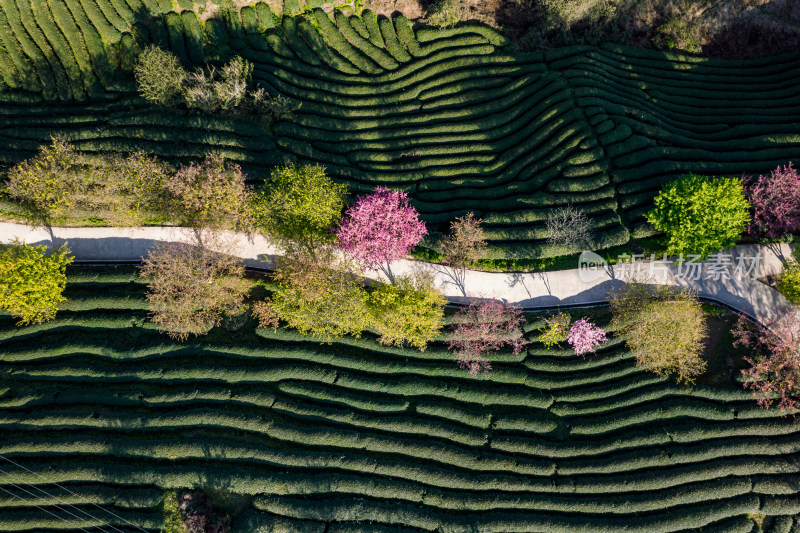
(172, 514)
(382, 404)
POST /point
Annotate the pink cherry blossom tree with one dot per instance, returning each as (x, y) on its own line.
(483, 326)
(380, 228)
(774, 372)
(585, 336)
(776, 202)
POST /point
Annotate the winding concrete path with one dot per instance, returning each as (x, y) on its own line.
(718, 278)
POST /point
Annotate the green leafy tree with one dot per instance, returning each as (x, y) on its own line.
(664, 326)
(159, 76)
(49, 183)
(445, 13)
(172, 513)
(700, 215)
(555, 329)
(410, 311)
(32, 281)
(789, 282)
(125, 191)
(299, 207)
(319, 296)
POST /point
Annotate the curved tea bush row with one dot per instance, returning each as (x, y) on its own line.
(451, 116)
(353, 436)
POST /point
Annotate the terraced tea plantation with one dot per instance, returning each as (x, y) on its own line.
(353, 436)
(455, 117)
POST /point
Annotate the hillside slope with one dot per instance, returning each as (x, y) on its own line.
(451, 116)
(353, 436)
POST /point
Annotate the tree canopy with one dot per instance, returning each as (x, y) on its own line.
(32, 281)
(210, 195)
(409, 311)
(191, 288)
(700, 215)
(380, 228)
(319, 296)
(299, 207)
(664, 326)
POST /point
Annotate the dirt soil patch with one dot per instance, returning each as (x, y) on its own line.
(486, 11)
(724, 361)
(732, 29)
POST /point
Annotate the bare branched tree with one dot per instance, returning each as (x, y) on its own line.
(569, 227)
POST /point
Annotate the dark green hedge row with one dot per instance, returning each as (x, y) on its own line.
(370, 509)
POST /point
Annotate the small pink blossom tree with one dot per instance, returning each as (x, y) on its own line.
(774, 372)
(585, 336)
(776, 202)
(379, 228)
(484, 326)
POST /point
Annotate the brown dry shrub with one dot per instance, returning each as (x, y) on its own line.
(191, 288)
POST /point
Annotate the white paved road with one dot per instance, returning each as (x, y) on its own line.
(716, 278)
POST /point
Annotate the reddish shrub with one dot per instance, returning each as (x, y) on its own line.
(776, 202)
(267, 316)
(211, 194)
(484, 326)
(466, 242)
(191, 288)
(198, 516)
(774, 372)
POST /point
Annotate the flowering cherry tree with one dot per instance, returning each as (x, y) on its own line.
(774, 372)
(379, 228)
(484, 326)
(776, 202)
(585, 336)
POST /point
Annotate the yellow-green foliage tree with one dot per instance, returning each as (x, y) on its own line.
(299, 207)
(409, 311)
(49, 183)
(59, 184)
(789, 282)
(32, 281)
(700, 215)
(172, 513)
(664, 326)
(320, 296)
(126, 191)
